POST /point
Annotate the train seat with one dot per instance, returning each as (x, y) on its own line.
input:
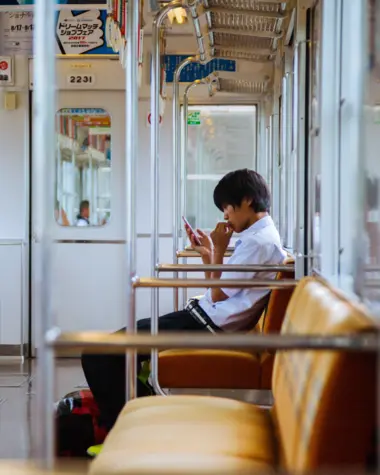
(324, 414)
(225, 369)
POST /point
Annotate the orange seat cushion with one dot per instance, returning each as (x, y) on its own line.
(221, 369)
(182, 427)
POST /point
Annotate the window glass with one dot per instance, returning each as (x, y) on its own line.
(371, 142)
(315, 155)
(83, 172)
(220, 139)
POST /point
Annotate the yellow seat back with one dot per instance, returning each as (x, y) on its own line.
(325, 401)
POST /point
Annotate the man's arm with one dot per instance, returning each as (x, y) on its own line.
(220, 237)
(217, 294)
(205, 249)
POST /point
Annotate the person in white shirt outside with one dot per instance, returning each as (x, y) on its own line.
(83, 218)
(244, 198)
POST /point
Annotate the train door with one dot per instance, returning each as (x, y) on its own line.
(88, 222)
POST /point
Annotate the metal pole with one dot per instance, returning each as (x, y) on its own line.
(155, 147)
(177, 165)
(176, 114)
(109, 343)
(223, 268)
(299, 133)
(43, 161)
(155, 282)
(184, 163)
(182, 254)
(184, 177)
(131, 98)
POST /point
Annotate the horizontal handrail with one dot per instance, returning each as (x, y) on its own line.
(196, 254)
(372, 268)
(372, 284)
(153, 282)
(120, 342)
(12, 242)
(222, 267)
(189, 248)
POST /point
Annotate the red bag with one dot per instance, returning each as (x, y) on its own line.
(77, 424)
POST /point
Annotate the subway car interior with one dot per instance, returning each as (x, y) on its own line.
(189, 236)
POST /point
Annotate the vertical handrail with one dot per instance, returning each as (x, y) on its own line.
(196, 83)
(131, 132)
(154, 325)
(43, 160)
(284, 160)
(155, 146)
(299, 147)
(177, 165)
(270, 156)
(184, 177)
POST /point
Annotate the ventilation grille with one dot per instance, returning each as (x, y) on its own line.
(243, 22)
(251, 5)
(242, 55)
(242, 86)
(241, 42)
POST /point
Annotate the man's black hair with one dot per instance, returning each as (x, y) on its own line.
(240, 184)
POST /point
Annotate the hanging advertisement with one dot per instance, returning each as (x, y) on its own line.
(11, 3)
(17, 32)
(79, 32)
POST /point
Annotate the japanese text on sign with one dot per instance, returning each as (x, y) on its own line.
(194, 118)
(194, 71)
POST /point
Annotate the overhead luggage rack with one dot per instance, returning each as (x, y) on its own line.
(232, 40)
(253, 5)
(242, 55)
(241, 29)
(242, 20)
(242, 86)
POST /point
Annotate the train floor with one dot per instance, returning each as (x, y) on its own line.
(18, 397)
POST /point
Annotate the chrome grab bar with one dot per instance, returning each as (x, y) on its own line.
(177, 167)
(155, 283)
(189, 248)
(186, 254)
(120, 342)
(223, 268)
(13, 242)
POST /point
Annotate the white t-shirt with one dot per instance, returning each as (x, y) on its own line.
(82, 222)
(259, 244)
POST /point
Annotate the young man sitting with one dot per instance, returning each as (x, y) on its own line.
(244, 198)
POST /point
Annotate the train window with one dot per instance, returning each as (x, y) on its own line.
(83, 167)
(314, 126)
(220, 139)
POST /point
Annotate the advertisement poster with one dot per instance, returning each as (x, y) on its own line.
(6, 3)
(17, 33)
(77, 32)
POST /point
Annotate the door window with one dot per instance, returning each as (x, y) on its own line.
(83, 167)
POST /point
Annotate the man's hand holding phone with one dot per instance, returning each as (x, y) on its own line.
(199, 240)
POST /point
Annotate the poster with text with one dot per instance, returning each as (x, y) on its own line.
(82, 32)
(11, 3)
(17, 33)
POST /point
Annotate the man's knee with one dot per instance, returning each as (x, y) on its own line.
(88, 360)
(143, 325)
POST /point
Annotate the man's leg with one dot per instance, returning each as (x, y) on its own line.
(105, 374)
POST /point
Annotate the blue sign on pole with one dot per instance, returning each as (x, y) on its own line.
(194, 71)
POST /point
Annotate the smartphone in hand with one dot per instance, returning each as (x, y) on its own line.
(187, 225)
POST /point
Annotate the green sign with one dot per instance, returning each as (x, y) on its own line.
(194, 118)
